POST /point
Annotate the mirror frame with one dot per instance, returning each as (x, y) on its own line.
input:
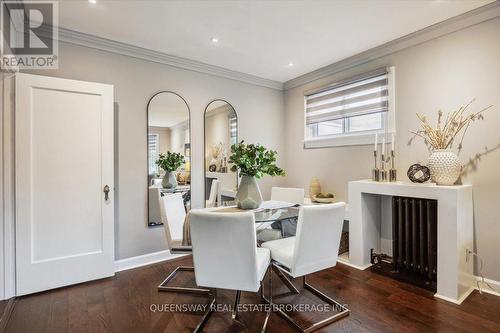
(204, 143)
(149, 224)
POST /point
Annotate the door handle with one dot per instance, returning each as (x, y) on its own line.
(106, 192)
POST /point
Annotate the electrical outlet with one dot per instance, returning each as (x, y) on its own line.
(467, 255)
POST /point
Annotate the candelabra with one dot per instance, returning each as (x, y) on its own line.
(383, 171)
(375, 171)
(392, 171)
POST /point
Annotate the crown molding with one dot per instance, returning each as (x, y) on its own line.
(473, 17)
(104, 44)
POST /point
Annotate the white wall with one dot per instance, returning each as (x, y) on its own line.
(179, 136)
(443, 73)
(260, 116)
(163, 137)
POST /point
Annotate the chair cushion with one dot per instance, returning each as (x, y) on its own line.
(266, 235)
(263, 259)
(281, 250)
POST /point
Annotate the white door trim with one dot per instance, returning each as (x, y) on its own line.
(7, 218)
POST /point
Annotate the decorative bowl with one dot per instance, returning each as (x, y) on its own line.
(323, 200)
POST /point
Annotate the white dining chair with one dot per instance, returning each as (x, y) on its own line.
(314, 248)
(173, 215)
(154, 215)
(156, 182)
(214, 194)
(225, 254)
(288, 194)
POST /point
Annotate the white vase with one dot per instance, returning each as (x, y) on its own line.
(445, 167)
(248, 195)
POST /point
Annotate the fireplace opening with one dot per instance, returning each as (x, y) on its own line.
(412, 256)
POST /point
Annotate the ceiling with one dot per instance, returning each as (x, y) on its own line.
(260, 38)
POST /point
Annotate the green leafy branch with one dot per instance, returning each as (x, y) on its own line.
(254, 160)
(170, 161)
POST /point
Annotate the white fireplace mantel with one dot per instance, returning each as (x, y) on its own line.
(455, 229)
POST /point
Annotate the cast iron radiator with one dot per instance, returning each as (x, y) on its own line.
(414, 242)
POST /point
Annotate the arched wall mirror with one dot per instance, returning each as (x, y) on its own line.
(169, 151)
(221, 131)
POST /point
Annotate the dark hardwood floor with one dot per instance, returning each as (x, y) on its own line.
(123, 304)
(3, 307)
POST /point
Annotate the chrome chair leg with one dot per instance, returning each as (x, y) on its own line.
(234, 315)
(206, 315)
(285, 280)
(341, 310)
(270, 301)
(164, 285)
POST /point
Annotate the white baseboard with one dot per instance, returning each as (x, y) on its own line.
(460, 300)
(485, 288)
(346, 262)
(145, 259)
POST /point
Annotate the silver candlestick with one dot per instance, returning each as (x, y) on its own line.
(375, 171)
(392, 172)
(383, 171)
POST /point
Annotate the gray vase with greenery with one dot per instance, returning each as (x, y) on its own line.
(248, 195)
(169, 180)
(253, 162)
(170, 162)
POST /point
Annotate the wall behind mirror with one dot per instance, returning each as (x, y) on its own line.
(221, 131)
(168, 132)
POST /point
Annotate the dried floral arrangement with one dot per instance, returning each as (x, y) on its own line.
(217, 150)
(444, 135)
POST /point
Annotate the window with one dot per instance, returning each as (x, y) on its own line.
(153, 153)
(233, 129)
(350, 112)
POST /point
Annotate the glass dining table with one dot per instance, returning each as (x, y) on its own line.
(263, 218)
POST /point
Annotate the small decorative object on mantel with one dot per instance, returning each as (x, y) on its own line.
(375, 170)
(314, 187)
(383, 171)
(223, 166)
(444, 165)
(418, 173)
(323, 197)
(383, 175)
(170, 162)
(392, 171)
(253, 161)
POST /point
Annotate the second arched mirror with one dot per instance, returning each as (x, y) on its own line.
(168, 151)
(221, 131)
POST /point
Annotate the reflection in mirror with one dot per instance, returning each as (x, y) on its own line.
(221, 131)
(168, 151)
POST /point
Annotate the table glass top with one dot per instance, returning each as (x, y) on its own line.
(275, 215)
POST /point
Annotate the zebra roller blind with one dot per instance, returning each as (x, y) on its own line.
(363, 95)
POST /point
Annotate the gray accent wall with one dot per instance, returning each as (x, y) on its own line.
(442, 73)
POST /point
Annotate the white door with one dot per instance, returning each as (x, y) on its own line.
(64, 160)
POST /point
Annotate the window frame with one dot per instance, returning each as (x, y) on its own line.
(157, 141)
(359, 138)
